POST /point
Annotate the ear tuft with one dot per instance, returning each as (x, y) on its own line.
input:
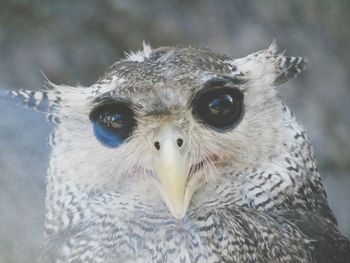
(273, 48)
(289, 67)
(268, 63)
(41, 101)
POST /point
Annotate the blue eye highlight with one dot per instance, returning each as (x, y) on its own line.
(113, 123)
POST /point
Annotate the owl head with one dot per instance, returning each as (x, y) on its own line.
(165, 122)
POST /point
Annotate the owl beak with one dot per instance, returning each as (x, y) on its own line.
(172, 169)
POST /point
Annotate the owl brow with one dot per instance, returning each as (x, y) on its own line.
(224, 81)
(105, 99)
(108, 97)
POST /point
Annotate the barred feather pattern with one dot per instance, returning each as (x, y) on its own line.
(41, 101)
(265, 203)
(248, 228)
(289, 67)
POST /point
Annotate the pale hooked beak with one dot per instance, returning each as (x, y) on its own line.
(173, 168)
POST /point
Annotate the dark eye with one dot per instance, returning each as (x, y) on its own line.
(113, 122)
(220, 107)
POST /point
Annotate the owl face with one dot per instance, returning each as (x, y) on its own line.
(169, 121)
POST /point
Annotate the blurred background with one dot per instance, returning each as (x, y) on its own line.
(74, 43)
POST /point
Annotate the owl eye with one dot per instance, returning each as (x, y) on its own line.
(219, 107)
(113, 122)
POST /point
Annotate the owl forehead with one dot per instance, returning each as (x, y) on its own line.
(166, 79)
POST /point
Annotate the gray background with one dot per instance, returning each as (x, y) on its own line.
(73, 42)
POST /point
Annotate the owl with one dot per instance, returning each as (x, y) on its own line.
(184, 155)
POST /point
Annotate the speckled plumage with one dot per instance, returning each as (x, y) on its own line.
(260, 199)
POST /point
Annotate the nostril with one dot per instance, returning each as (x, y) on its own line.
(157, 145)
(179, 142)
